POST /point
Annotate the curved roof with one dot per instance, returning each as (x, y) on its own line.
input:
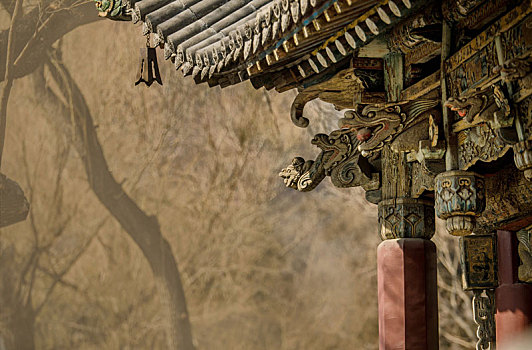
(279, 43)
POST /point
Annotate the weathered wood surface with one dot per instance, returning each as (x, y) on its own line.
(473, 64)
(509, 201)
(345, 90)
(396, 174)
(393, 76)
(422, 88)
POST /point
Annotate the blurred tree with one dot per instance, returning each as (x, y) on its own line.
(28, 279)
(26, 50)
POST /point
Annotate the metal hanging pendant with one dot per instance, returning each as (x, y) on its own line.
(484, 316)
(148, 71)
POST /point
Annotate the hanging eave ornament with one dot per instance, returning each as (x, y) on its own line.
(478, 260)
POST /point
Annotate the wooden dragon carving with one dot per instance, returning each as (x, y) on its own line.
(338, 159)
(381, 123)
(361, 134)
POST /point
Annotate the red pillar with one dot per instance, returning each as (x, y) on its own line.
(513, 299)
(408, 298)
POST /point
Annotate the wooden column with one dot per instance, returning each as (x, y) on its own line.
(406, 259)
(408, 298)
(406, 262)
(512, 298)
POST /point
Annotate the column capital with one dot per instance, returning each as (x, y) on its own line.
(459, 199)
(406, 218)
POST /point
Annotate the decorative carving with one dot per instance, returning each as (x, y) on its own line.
(379, 124)
(514, 69)
(344, 90)
(518, 71)
(479, 143)
(419, 36)
(484, 316)
(423, 53)
(406, 218)
(524, 111)
(459, 198)
(455, 10)
(479, 262)
(523, 157)
(517, 40)
(339, 159)
(509, 203)
(473, 72)
(472, 64)
(298, 175)
(481, 15)
(525, 254)
(489, 105)
(113, 9)
(422, 180)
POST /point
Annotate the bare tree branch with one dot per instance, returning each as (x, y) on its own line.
(59, 276)
(8, 75)
(35, 32)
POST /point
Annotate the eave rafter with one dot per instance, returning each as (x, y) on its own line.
(334, 44)
(223, 42)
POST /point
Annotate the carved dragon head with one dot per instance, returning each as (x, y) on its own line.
(337, 146)
(292, 173)
(297, 175)
(380, 123)
(373, 125)
(467, 107)
(489, 105)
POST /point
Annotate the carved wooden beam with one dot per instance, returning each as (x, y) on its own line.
(422, 88)
(345, 90)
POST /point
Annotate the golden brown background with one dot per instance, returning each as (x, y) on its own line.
(261, 266)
